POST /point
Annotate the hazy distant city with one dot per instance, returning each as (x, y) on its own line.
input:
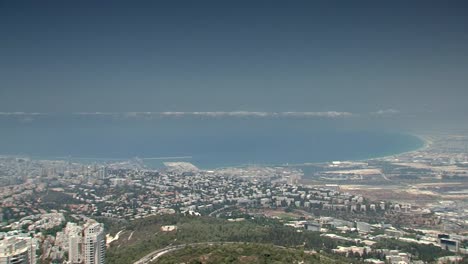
(234, 132)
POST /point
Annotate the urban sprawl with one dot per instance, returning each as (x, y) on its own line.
(51, 210)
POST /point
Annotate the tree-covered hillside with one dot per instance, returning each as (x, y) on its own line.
(143, 236)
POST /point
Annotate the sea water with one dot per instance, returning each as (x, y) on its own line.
(205, 142)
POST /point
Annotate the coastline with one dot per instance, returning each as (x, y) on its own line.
(425, 143)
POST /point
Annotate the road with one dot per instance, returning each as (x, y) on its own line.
(385, 177)
(158, 253)
(221, 209)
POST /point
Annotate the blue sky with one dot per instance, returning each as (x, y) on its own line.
(263, 56)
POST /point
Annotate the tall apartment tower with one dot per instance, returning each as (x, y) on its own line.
(94, 242)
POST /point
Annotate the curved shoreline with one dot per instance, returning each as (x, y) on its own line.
(426, 144)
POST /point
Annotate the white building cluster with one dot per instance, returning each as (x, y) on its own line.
(17, 250)
(42, 221)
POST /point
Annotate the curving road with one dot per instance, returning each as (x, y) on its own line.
(221, 209)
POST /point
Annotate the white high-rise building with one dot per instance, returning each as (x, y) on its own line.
(94, 242)
(17, 250)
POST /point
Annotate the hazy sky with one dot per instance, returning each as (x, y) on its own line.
(353, 56)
